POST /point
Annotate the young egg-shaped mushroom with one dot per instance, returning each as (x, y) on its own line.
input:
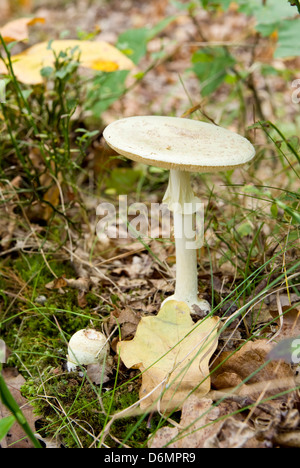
(182, 146)
(87, 346)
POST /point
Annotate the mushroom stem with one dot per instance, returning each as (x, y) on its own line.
(182, 201)
(186, 286)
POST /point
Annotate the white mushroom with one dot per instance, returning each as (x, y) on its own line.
(183, 146)
(86, 347)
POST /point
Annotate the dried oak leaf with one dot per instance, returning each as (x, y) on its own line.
(233, 434)
(248, 368)
(140, 266)
(196, 421)
(203, 425)
(57, 283)
(173, 354)
(99, 373)
(128, 321)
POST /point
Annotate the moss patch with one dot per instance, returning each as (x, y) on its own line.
(68, 405)
(75, 411)
(37, 334)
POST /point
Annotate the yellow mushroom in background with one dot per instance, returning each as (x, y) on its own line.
(93, 55)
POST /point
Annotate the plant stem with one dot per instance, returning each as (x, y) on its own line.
(8, 400)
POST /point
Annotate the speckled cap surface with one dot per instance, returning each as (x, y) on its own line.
(178, 143)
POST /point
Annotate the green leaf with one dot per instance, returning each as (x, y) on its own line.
(270, 12)
(295, 215)
(122, 180)
(273, 11)
(46, 72)
(2, 91)
(160, 26)
(184, 6)
(224, 3)
(269, 16)
(106, 89)
(244, 229)
(274, 210)
(211, 65)
(134, 41)
(215, 4)
(5, 425)
(295, 3)
(288, 39)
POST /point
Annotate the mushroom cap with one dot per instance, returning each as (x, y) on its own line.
(87, 346)
(178, 143)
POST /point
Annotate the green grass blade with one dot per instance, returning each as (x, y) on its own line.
(5, 425)
(9, 401)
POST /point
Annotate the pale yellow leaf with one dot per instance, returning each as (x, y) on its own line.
(17, 30)
(95, 55)
(173, 355)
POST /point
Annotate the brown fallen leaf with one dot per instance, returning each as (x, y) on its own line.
(173, 354)
(197, 416)
(82, 300)
(52, 198)
(159, 250)
(233, 434)
(57, 283)
(162, 285)
(8, 218)
(127, 284)
(128, 321)
(82, 284)
(288, 439)
(274, 417)
(248, 367)
(140, 266)
(202, 425)
(98, 373)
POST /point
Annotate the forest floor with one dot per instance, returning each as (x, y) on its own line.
(58, 277)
